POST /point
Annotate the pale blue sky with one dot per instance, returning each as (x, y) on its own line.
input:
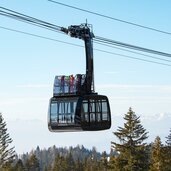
(29, 64)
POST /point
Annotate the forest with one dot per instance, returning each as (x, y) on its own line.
(129, 153)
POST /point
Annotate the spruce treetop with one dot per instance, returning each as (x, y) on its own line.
(133, 133)
(7, 153)
(132, 151)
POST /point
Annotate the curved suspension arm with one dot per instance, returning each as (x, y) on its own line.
(89, 65)
(83, 32)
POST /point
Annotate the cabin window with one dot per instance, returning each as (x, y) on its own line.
(53, 112)
(95, 110)
(63, 112)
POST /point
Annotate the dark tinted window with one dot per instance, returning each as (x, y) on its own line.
(63, 111)
(95, 110)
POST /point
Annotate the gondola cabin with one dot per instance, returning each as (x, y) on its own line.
(75, 106)
(71, 111)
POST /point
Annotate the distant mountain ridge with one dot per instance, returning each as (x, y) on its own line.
(27, 134)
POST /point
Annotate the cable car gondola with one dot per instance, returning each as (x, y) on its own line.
(75, 106)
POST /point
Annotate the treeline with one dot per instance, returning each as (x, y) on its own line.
(63, 159)
(60, 159)
(130, 153)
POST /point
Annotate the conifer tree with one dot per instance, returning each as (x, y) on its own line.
(79, 165)
(132, 149)
(70, 162)
(7, 153)
(168, 141)
(168, 152)
(104, 161)
(157, 156)
(60, 163)
(19, 165)
(32, 164)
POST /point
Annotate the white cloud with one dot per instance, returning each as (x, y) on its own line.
(157, 117)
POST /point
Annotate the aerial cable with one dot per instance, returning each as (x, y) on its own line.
(97, 39)
(112, 18)
(25, 18)
(130, 51)
(125, 45)
(34, 21)
(29, 17)
(42, 37)
(112, 53)
(126, 56)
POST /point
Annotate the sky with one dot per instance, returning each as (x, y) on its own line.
(29, 64)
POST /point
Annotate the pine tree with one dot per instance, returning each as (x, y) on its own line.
(168, 152)
(19, 165)
(70, 162)
(79, 165)
(168, 141)
(92, 164)
(32, 164)
(157, 156)
(60, 163)
(8, 167)
(7, 153)
(132, 149)
(104, 161)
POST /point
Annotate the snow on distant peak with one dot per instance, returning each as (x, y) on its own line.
(161, 116)
(156, 117)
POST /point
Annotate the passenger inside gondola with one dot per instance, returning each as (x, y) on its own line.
(68, 84)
